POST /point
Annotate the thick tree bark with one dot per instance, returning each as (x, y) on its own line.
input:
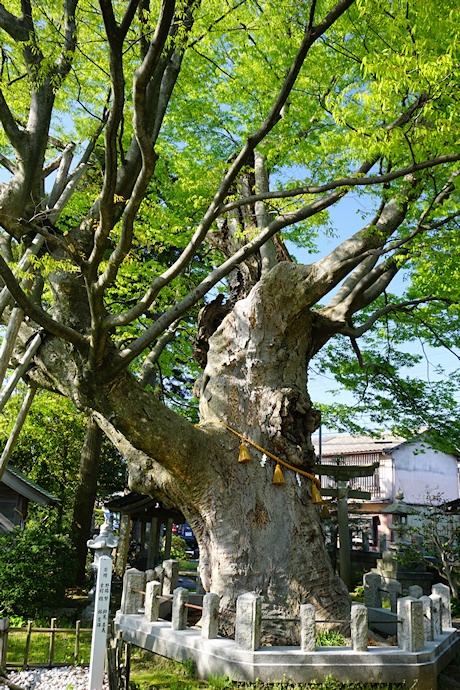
(85, 496)
(253, 535)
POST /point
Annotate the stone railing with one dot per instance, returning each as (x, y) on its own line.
(425, 638)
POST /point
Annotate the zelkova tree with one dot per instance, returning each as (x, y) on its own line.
(206, 133)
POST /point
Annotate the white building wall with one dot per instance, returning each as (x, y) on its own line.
(419, 469)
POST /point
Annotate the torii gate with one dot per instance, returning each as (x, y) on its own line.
(342, 474)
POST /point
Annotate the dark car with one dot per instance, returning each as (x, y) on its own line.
(185, 532)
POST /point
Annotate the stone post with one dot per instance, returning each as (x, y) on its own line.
(210, 619)
(411, 637)
(133, 584)
(427, 618)
(372, 590)
(179, 610)
(159, 575)
(307, 628)
(394, 589)
(444, 593)
(152, 602)
(171, 576)
(359, 625)
(4, 627)
(415, 591)
(437, 613)
(248, 621)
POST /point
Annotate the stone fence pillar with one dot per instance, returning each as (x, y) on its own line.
(133, 584)
(359, 625)
(179, 610)
(210, 618)
(437, 613)
(444, 592)
(152, 601)
(427, 618)
(171, 576)
(307, 628)
(248, 621)
(415, 591)
(372, 590)
(411, 636)
(394, 589)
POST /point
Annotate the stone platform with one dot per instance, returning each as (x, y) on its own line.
(272, 664)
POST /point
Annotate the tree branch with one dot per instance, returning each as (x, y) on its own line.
(352, 181)
(387, 309)
(37, 314)
(252, 141)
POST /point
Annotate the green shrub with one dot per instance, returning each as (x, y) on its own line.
(36, 567)
(178, 548)
(330, 638)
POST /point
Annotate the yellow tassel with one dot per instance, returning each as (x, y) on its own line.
(315, 494)
(278, 475)
(244, 453)
(325, 512)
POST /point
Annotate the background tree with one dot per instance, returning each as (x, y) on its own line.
(208, 113)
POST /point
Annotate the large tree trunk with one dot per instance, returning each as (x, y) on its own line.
(85, 496)
(253, 535)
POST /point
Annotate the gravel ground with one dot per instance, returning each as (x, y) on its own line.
(66, 678)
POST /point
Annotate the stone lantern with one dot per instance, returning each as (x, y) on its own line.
(102, 544)
(400, 511)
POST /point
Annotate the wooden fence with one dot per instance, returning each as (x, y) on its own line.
(5, 631)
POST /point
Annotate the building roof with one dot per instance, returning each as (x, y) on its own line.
(347, 444)
(17, 481)
(143, 508)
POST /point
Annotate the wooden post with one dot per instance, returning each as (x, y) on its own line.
(26, 651)
(344, 535)
(52, 637)
(168, 539)
(4, 628)
(126, 544)
(100, 623)
(77, 641)
(154, 539)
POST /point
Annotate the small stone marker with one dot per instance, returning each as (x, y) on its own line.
(372, 590)
(248, 621)
(394, 589)
(152, 602)
(444, 593)
(415, 591)
(171, 576)
(411, 636)
(179, 610)
(159, 575)
(307, 628)
(210, 618)
(100, 623)
(427, 618)
(359, 625)
(133, 586)
(437, 613)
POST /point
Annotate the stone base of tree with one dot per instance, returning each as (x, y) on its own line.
(273, 664)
